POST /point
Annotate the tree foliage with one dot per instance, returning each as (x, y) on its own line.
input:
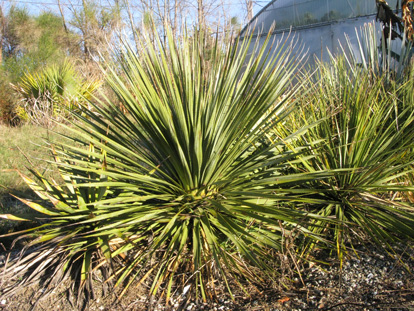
(29, 42)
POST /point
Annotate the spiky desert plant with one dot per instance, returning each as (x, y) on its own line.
(386, 58)
(366, 142)
(192, 152)
(196, 190)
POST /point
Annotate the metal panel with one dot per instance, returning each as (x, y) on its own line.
(302, 13)
(318, 25)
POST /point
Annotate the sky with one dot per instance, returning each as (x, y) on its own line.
(233, 7)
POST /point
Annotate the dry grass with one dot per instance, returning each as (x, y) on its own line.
(21, 148)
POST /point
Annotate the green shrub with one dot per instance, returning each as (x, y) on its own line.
(8, 113)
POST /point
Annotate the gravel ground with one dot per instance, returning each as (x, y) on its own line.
(372, 281)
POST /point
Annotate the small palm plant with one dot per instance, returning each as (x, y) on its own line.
(55, 90)
(195, 188)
